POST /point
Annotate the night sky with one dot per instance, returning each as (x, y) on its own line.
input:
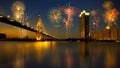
(33, 8)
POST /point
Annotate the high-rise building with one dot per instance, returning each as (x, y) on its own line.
(84, 25)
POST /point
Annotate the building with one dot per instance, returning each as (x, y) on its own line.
(107, 34)
(114, 33)
(84, 25)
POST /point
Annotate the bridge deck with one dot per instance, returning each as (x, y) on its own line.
(17, 24)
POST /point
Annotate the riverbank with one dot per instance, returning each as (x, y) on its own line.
(78, 40)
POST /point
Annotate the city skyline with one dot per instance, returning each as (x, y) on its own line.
(42, 8)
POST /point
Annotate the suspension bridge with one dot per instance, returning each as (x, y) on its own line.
(39, 30)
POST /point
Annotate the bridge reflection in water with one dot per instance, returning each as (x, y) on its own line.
(59, 54)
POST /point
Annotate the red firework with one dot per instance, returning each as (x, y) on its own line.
(69, 10)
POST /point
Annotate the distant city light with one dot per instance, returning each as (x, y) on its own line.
(1, 16)
(107, 27)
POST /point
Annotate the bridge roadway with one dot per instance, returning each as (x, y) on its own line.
(24, 26)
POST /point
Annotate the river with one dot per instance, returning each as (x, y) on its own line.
(59, 54)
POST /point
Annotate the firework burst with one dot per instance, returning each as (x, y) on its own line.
(18, 10)
(93, 13)
(111, 14)
(55, 15)
(69, 11)
(96, 19)
(108, 5)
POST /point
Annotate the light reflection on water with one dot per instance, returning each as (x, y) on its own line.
(52, 54)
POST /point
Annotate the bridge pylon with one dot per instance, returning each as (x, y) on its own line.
(39, 28)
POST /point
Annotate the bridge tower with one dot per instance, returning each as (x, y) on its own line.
(40, 28)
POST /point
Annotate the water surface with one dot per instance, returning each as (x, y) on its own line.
(60, 54)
